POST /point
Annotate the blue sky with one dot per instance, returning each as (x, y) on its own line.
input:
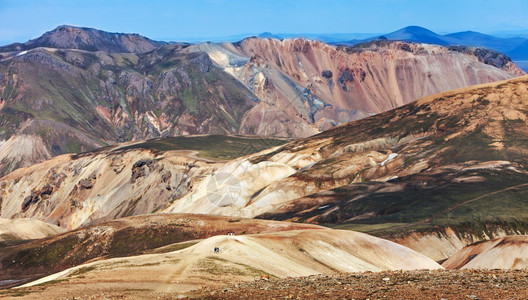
(21, 20)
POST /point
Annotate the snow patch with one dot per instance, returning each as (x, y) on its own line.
(392, 178)
(318, 102)
(391, 157)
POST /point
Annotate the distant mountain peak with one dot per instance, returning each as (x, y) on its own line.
(415, 28)
(269, 35)
(418, 34)
(89, 39)
(79, 29)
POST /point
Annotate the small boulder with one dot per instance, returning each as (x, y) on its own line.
(86, 183)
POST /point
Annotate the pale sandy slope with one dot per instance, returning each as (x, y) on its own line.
(23, 229)
(280, 254)
(442, 244)
(510, 252)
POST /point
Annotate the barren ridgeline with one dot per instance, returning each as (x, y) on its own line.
(77, 89)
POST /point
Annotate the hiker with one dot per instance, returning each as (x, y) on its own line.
(216, 250)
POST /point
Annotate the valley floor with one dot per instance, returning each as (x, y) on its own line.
(439, 284)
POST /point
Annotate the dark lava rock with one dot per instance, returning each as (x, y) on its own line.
(346, 76)
(141, 163)
(33, 198)
(46, 190)
(88, 183)
(327, 74)
(202, 62)
(36, 196)
(138, 168)
(486, 56)
(406, 47)
(166, 177)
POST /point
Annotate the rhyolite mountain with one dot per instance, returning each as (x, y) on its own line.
(435, 175)
(452, 165)
(329, 85)
(89, 39)
(58, 101)
(76, 89)
(119, 181)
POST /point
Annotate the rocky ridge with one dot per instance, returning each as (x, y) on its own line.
(119, 181)
(96, 88)
(326, 85)
(83, 100)
(24, 261)
(240, 258)
(425, 171)
(89, 39)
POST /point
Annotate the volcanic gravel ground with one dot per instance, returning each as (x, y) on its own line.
(439, 284)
